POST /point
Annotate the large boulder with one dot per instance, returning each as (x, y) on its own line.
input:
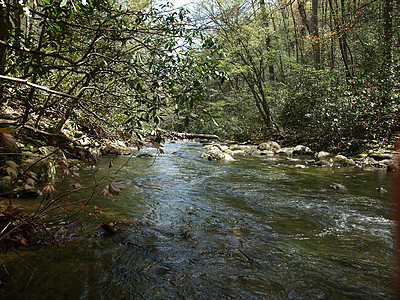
(269, 146)
(239, 152)
(322, 155)
(244, 150)
(216, 155)
(115, 148)
(380, 155)
(343, 161)
(302, 150)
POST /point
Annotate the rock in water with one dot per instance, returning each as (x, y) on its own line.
(302, 150)
(338, 186)
(269, 146)
(322, 155)
(109, 227)
(343, 160)
(216, 155)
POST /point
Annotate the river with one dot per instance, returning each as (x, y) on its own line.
(255, 228)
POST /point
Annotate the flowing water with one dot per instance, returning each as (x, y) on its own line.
(255, 228)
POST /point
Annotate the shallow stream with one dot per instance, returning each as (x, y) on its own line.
(256, 228)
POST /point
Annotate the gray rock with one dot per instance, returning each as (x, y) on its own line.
(269, 146)
(216, 155)
(115, 149)
(338, 186)
(322, 155)
(380, 155)
(239, 152)
(212, 147)
(253, 151)
(381, 190)
(300, 166)
(302, 150)
(343, 160)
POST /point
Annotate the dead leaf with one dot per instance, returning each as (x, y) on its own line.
(6, 130)
(8, 140)
(62, 164)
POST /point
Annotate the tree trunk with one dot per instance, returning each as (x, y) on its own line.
(73, 104)
(268, 39)
(387, 14)
(315, 35)
(4, 35)
(296, 36)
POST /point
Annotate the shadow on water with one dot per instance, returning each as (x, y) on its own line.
(252, 228)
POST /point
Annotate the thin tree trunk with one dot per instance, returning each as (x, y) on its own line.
(73, 104)
(268, 39)
(295, 33)
(387, 14)
(315, 35)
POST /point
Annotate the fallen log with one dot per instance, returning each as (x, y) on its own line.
(189, 136)
(200, 136)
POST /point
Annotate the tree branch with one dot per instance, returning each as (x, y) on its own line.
(40, 87)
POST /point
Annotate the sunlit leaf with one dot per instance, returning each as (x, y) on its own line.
(116, 187)
(49, 187)
(106, 191)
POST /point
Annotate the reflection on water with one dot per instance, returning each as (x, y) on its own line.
(252, 228)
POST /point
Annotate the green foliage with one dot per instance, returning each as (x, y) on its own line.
(333, 90)
(119, 65)
(328, 111)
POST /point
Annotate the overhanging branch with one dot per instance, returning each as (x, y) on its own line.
(40, 87)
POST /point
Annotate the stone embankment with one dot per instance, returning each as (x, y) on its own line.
(375, 158)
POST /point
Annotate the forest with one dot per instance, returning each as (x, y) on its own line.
(322, 72)
(82, 78)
